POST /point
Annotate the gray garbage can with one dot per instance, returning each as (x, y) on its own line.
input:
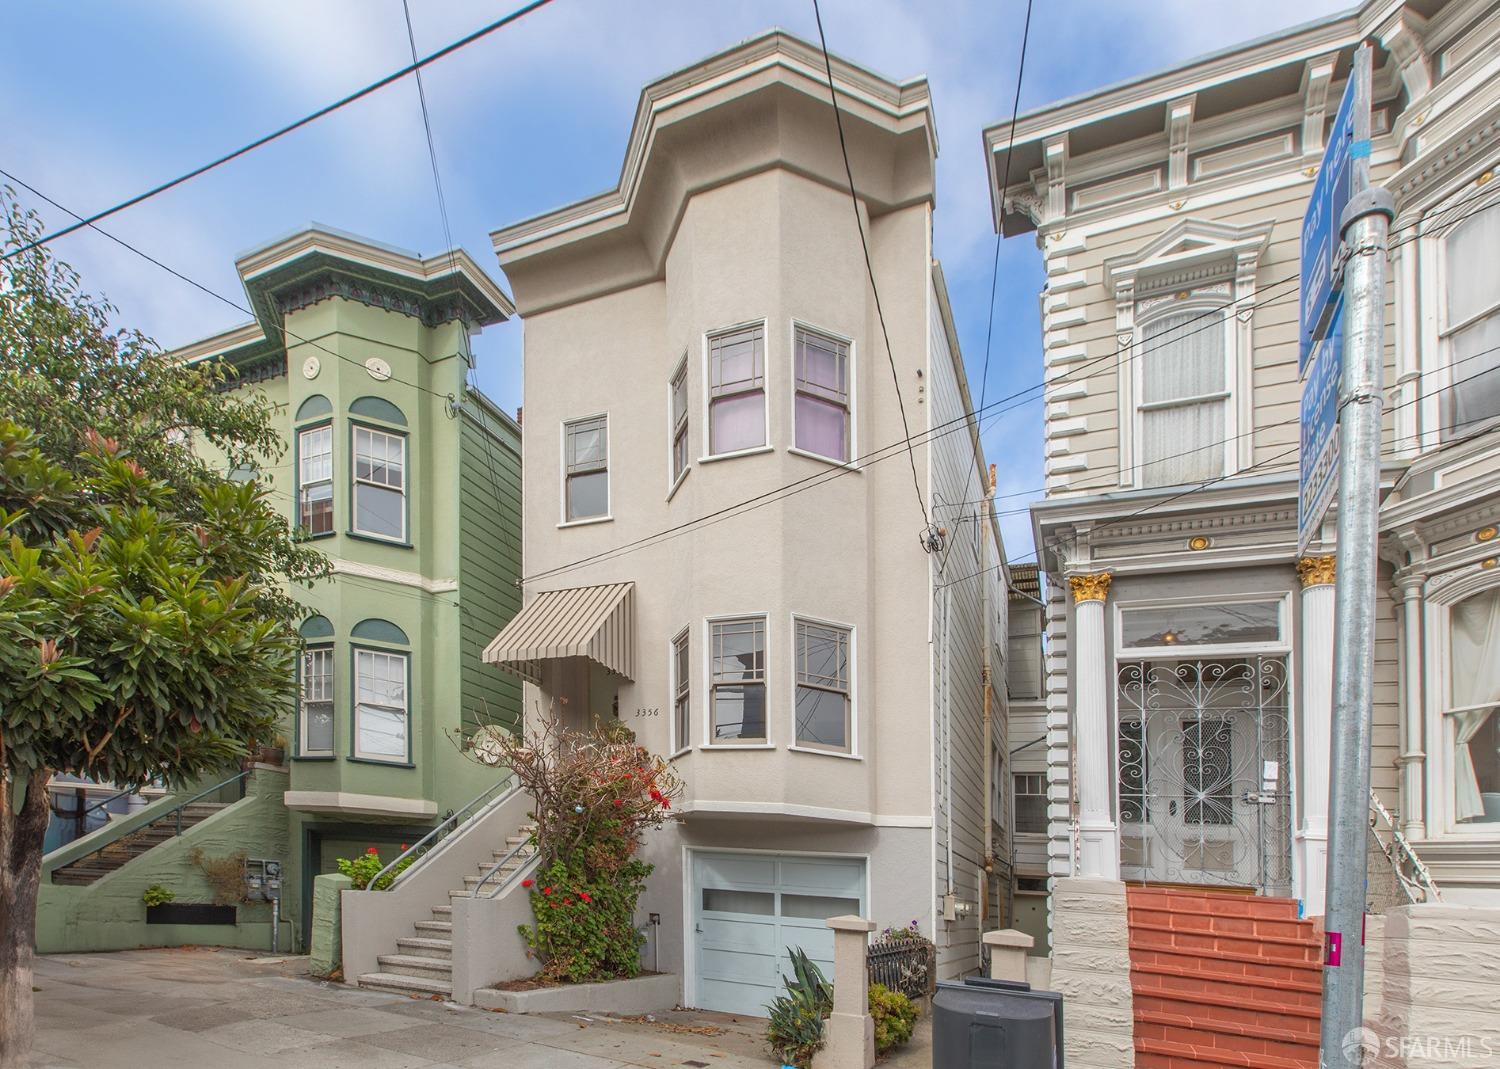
(986, 1024)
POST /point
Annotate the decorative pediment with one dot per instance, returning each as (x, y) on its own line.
(1192, 250)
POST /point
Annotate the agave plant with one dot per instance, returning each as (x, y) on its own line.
(795, 1031)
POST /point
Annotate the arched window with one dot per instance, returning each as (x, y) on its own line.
(315, 466)
(379, 476)
(381, 692)
(315, 717)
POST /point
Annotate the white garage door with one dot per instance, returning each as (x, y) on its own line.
(749, 908)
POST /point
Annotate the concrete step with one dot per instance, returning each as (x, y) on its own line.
(426, 947)
(434, 929)
(406, 985)
(442, 912)
(412, 965)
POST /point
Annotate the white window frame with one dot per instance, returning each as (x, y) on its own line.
(851, 376)
(405, 658)
(323, 649)
(1442, 806)
(1194, 304)
(1015, 794)
(706, 661)
(706, 437)
(355, 482)
(852, 753)
(562, 473)
(674, 477)
(1437, 395)
(1210, 650)
(681, 734)
(303, 483)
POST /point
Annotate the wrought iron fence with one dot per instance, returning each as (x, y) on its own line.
(905, 965)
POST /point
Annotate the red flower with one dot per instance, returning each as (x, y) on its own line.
(666, 803)
(372, 850)
(567, 901)
(546, 890)
(585, 896)
(618, 803)
(527, 883)
(554, 905)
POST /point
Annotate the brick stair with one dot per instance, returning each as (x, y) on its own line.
(128, 847)
(1223, 980)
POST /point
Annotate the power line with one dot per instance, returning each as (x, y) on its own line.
(859, 224)
(328, 109)
(1015, 112)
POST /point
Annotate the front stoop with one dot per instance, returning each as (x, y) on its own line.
(1223, 980)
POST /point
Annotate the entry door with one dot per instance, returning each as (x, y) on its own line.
(748, 909)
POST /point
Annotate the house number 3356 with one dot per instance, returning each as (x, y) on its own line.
(647, 712)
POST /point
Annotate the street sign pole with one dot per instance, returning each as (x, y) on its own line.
(1365, 223)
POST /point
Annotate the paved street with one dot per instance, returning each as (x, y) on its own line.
(227, 1009)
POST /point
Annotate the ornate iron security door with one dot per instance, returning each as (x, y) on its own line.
(1204, 772)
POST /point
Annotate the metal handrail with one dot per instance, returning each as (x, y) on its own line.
(497, 866)
(448, 823)
(175, 811)
(1420, 878)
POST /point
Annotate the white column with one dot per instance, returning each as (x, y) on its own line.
(1099, 837)
(1413, 749)
(1316, 724)
(850, 1029)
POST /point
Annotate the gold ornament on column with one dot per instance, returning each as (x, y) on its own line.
(1315, 571)
(1090, 587)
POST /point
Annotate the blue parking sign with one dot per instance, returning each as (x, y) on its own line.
(1318, 478)
(1320, 230)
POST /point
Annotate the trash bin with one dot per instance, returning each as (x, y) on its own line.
(992, 1024)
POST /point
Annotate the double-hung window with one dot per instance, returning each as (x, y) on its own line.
(1474, 713)
(379, 483)
(317, 702)
(1184, 399)
(678, 413)
(1029, 795)
(381, 720)
(821, 394)
(737, 680)
(823, 708)
(315, 480)
(1471, 323)
(681, 693)
(737, 390)
(586, 469)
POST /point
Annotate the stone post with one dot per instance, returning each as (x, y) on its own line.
(851, 1030)
(1099, 836)
(1316, 722)
(327, 953)
(1008, 950)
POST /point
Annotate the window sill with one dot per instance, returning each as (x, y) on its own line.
(672, 490)
(826, 753)
(585, 522)
(731, 746)
(847, 465)
(305, 537)
(679, 753)
(399, 543)
(380, 761)
(752, 451)
(315, 757)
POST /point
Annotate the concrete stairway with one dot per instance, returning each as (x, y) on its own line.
(422, 965)
(129, 847)
(1222, 980)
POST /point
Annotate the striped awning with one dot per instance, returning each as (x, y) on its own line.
(597, 622)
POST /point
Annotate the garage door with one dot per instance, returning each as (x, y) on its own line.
(749, 908)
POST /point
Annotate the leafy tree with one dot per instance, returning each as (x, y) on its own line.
(146, 627)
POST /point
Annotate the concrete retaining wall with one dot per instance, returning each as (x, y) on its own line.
(644, 994)
(1091, 968)
(487, 947)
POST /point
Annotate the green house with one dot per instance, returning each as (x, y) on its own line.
(408, 478)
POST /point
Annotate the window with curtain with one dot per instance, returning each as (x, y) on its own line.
(821, 394)
(317, 701)
(379, 483)
(679, 416)
(1474, 649)
(824, 709)
(586, 468)
(681, 692)
(736, 390)
(315, 480)
(1471, 322)
(1029, 795)
(1183, 397)
(737, 673)
(380, 709)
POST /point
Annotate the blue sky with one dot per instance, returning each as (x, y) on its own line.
(107, 99)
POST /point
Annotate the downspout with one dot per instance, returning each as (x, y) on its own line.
(947, 736)
(987, 757)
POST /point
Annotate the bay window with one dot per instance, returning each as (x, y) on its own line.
(678, 415)
(1471, 323)
(823, 706)
(1184, 397)
(737, 390)
(1474, 726)
(681, 693)
(821, 394)
(317, 702)
(737, 680)
(381, 720)
(379, 484)
(315, 480)
(586, 469)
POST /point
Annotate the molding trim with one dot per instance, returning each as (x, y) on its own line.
(373, 805)
(344, 566)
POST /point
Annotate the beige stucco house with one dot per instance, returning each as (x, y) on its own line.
(724, 546)
(1190, 644)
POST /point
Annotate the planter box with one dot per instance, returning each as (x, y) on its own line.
(643, 994)
(191, 913)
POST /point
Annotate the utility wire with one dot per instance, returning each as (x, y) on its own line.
(859, 223)
(1015, 112)
(266, 139)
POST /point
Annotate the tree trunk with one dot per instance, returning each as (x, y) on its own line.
(23, 832)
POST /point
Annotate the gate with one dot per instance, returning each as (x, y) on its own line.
(1204, 772)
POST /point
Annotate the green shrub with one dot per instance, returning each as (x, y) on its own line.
(795, 1030)
(363, 869)
(157, 895)
(585, 920)
(895, 1017)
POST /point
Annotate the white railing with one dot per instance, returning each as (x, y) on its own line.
(1412, 876)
